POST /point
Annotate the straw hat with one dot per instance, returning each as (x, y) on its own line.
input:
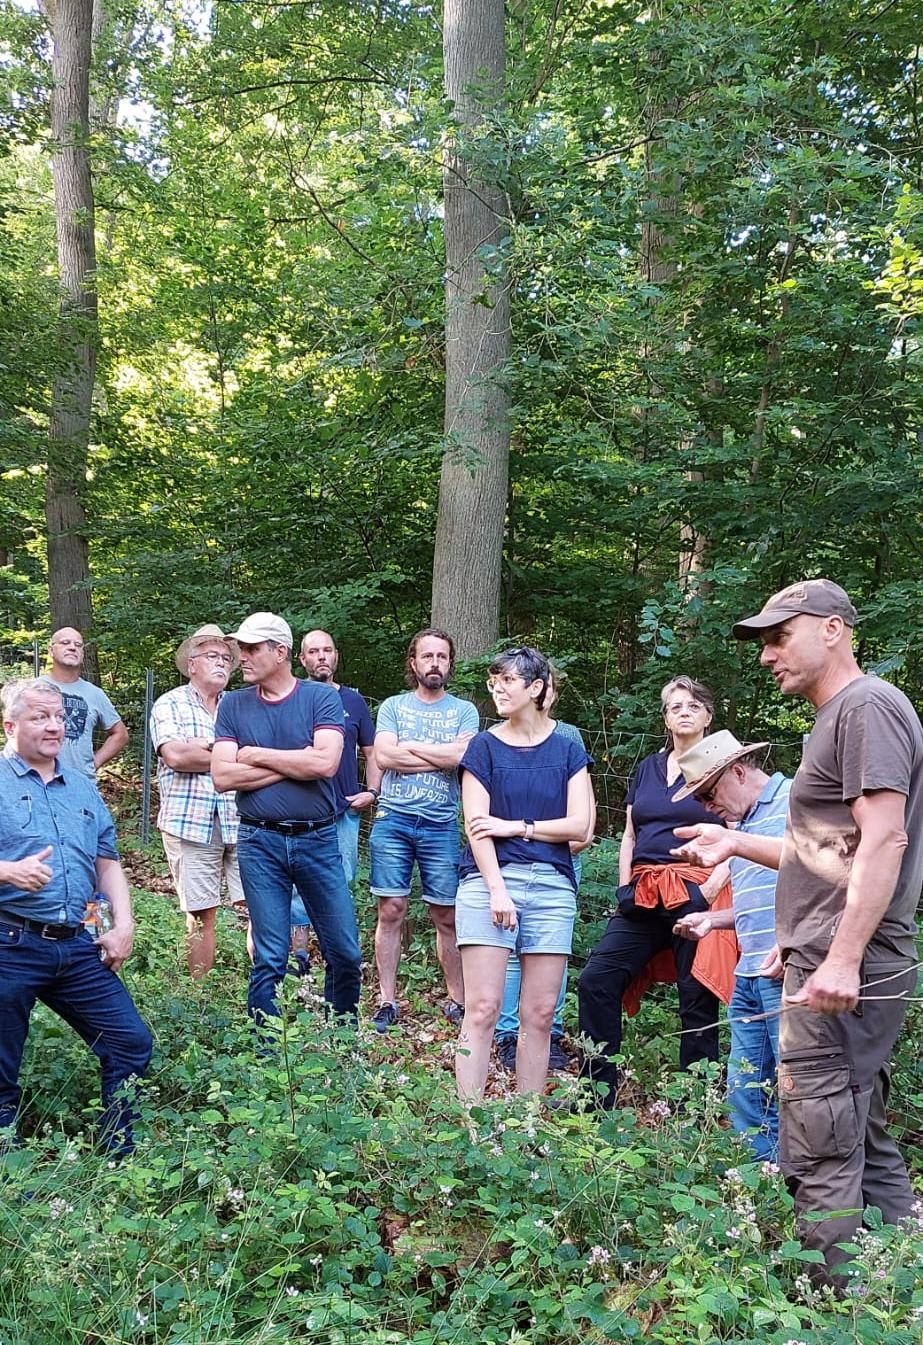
(204, 635)
(704, 762)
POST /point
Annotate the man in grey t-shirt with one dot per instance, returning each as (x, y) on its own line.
(420, 739)
(85, 707)
(850, 872)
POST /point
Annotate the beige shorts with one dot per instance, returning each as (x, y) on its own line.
(197, 869)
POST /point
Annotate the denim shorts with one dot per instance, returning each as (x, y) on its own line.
(398, 841)
(546, 905)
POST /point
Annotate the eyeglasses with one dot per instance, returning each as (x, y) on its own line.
(505, 680)
(708, 795)
(212, 657)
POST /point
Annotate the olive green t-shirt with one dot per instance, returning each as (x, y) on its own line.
(865, 738)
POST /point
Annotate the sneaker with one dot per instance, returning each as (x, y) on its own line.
(454, 1011)
(506, 1053)
(386, 1017)
(557, 1056)
(302, 963)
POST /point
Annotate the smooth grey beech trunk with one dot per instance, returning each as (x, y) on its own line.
(475, 468)
(72, 390)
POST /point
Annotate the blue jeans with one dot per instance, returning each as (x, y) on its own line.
(397, 840)
(270, 865)
(348, 841)
(68, 976)
(753, 1063)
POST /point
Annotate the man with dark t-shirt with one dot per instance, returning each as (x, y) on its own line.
(319, 657)
(850, 871)
(278, 744)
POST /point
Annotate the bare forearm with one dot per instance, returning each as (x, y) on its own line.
(713, 884)
(400, 758)
(872, 881)
(442, 756)
(111, 746)
(626, 857)
(485, 856)
(228, 775)
(192, 758)
(306, 763)
(373, 773)
(765, 850)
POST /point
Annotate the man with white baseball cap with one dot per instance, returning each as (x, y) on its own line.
(278, 744)
(850, 872)
(727, 776)
(198, 825)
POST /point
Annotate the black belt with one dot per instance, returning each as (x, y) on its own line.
(46, 931)
(290, 828)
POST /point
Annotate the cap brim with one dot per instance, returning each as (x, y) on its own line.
(750, 628)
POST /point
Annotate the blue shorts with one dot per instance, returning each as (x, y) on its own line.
(398, 840)
(546, 906)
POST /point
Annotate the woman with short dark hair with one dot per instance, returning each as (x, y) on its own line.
(525, 795)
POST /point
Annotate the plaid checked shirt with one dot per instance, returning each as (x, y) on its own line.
(188, 801)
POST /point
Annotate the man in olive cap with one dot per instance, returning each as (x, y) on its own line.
(197, 824)
(850, 871)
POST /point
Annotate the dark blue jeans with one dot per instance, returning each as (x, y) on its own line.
(270, 866)
(68, 976)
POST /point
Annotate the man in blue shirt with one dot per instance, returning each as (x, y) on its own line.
(278, 743)
(57, 848)
(421, 737)
(727, 777)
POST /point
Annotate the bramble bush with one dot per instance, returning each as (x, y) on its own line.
(336, 1191)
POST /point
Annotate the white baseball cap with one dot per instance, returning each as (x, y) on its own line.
(260, 626)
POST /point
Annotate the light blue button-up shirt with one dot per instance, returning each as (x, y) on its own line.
(66, 813)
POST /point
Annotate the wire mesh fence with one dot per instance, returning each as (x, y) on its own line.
(615, 753)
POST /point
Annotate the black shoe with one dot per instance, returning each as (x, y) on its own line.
(506, 1053)
(454, 1011)
(557, 1056)
(386, 1017)
(302, 963)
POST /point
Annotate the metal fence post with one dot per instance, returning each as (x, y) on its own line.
(146, 758)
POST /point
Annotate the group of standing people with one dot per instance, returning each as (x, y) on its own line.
(809, 888)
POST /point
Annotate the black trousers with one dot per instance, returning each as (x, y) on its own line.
(627, 946)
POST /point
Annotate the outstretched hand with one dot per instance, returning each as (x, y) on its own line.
(694, 926)
(705, 843)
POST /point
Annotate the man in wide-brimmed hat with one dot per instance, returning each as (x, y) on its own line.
(727, 776)
(850, 871)
(197, 824)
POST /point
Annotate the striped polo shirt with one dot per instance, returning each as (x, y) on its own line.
(753, 885)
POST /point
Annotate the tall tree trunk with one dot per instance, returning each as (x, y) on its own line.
(72, 391)
(475, 468)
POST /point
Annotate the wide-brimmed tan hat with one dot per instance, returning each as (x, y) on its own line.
(204, 635)
(816, 597)
(702, 763)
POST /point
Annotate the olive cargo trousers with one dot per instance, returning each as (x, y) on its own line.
(834, 1076)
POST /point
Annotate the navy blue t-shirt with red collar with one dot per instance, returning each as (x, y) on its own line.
(287, 725)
